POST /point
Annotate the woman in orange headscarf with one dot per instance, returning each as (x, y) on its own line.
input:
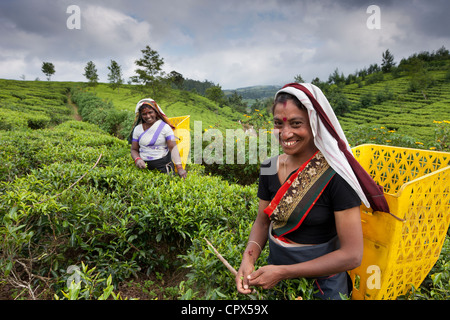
(153, 143)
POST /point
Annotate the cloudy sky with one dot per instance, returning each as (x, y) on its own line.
(233, 43)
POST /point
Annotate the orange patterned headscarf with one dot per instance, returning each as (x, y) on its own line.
(152, 103)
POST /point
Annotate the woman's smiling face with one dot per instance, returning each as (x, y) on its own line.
(149, 115)
(292, 125)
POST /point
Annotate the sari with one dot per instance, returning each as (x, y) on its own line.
(153, 147)
(294, 200)
(287, 211)
(330, 139)
(328, 287)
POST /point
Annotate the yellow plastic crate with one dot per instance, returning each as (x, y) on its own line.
(182, 132)
(400, 251)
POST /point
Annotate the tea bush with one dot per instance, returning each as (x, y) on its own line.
(71, 141)
(208, 278)
(102, 113)
(238, 159)
(33, 104)
(242, 166)
(116, 218)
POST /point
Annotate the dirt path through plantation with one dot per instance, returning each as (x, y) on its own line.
(74, 108)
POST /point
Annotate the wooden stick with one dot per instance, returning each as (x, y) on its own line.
(229, 267)
(224, 261)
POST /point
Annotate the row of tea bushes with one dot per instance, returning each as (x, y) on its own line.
(117, 218)
(33, 104)
(96, 110)
(401, 108)
(72, 141)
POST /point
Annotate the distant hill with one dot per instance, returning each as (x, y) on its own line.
(395, 104)
(410, 100)
(250, 94)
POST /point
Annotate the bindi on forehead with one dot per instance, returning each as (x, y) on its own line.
(284, 119)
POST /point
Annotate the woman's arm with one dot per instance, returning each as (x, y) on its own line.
(347, 257)
(173, 148)
(135, 155)
(256, 242)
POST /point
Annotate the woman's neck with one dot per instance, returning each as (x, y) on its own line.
(296, 160)
(146, 125)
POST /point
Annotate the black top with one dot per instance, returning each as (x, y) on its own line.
(319, 226)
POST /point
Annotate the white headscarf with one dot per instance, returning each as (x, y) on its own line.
(323, 140)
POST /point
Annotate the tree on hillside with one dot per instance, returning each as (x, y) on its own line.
(298, 78)
(90, 72)
(151, 74)
(442, 53)
(235, 101)
(420, 79)
(373, 68)
(177, 79)
(388, 61)
(197, 86)
(115, 75)
(338, 101)
(48, 69)
(336, 78)
(322, 85)
(215, 94)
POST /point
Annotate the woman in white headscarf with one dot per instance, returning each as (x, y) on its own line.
(153, 143)
(310, 197)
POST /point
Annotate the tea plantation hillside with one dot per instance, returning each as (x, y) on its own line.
(33, 104)
(174, 103)
(408, 104)
(71, 198)
(392, 104)
(39, 104)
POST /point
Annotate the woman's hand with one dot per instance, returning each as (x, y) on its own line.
(266, 277)
(141, 164)
(242, 283)
(257, 241)
(182, 173)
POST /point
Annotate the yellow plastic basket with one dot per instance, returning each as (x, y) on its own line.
(400, 249)
(182, 133)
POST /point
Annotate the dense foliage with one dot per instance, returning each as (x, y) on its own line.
(102, 113)
(37, 106)
(115, 218)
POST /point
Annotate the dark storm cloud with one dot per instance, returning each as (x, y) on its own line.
(233, 43)
(429, 18)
